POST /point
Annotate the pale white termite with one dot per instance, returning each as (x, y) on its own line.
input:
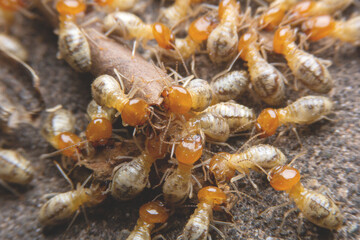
(14, 168)
(239, 117)
(201, 94)
(12, 45)
(230, 86)
(197, 227)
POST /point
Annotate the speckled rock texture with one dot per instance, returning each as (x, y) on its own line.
(331, 160)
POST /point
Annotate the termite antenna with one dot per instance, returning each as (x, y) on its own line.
(64, 174)
(297, 156)
(247, 142)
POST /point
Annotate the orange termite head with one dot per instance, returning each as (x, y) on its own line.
(245, 40)
(271, 18)
(189, 150)
(11, 5)
(201, 28)
(318, 27)
(177, 99)
(302, 9)
(104, 2)
(283, 178)
(98, 131)
(153, 212)
(68, 141)
(219, 167)
(225, 4)
(135, 112)
(163, 35)
(70, 7)
(283, 36)
(267, 122)
(212, 195)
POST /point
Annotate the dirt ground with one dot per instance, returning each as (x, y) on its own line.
(332, 158)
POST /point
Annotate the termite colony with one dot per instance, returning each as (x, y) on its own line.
(178, 124)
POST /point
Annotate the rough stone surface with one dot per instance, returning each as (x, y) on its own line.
(332, 158)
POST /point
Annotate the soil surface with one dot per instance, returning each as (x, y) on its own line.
(331, 160)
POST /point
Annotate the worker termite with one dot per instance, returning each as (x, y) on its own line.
(13, 46)
(306, 67)
(197, 226)
(58, 131)
(230, 86)
(150, 214)
(177, 185)
(239, 117)
(118, 5)
(106, 91)
(223, 40)
(223, 165)
(14, 168)
(273, 16)
(63, 206)
(316, 207)
(99, 129)
(73, 45)
(130, 178)
(201, 94)
(325, 26)
(305, 110)
(316, 8)
(267, 82)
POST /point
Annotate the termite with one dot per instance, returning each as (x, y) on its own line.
(306, 67)
(14, 168)
(267, 82)
(13, 46)
(201, 94)
(130, 178)
(230, 86)
(58, 130)
(197, 227)
(223, 165)
(99, 129)
(275, 13)
(306, 9)
(305, 110)
(118, 5)
(106, 91)
(63, 206)
(240, 118)
(223, 40)
(316, 207)
(177, 186)
(150, 214)
(73, 44)
(325, 26)
(177, 99)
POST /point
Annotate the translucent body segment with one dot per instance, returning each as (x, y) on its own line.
(189, 150)
(319, 27)
(99, 131)
(201, 28)
(212, 195)
(153, 212)
(177, 99)
(163, 36)
(267, 122)
(70, 7)
(136, 112)
(68, 139)
(284, 178)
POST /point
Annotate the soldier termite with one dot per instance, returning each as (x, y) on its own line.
(223, 165)
(273, 16)
(230, 86)
(63, 206)
(239, 117)
(223, 40)
(267, 82)
(197, 226)
(14, 168)
(305, 110)
(99, 129)
(316, 207)
(107, 92)
(177, 186)
(130, 178)
(325, 26)
(73, 45)
(306, 67)
(58, 131)
(150, 213)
